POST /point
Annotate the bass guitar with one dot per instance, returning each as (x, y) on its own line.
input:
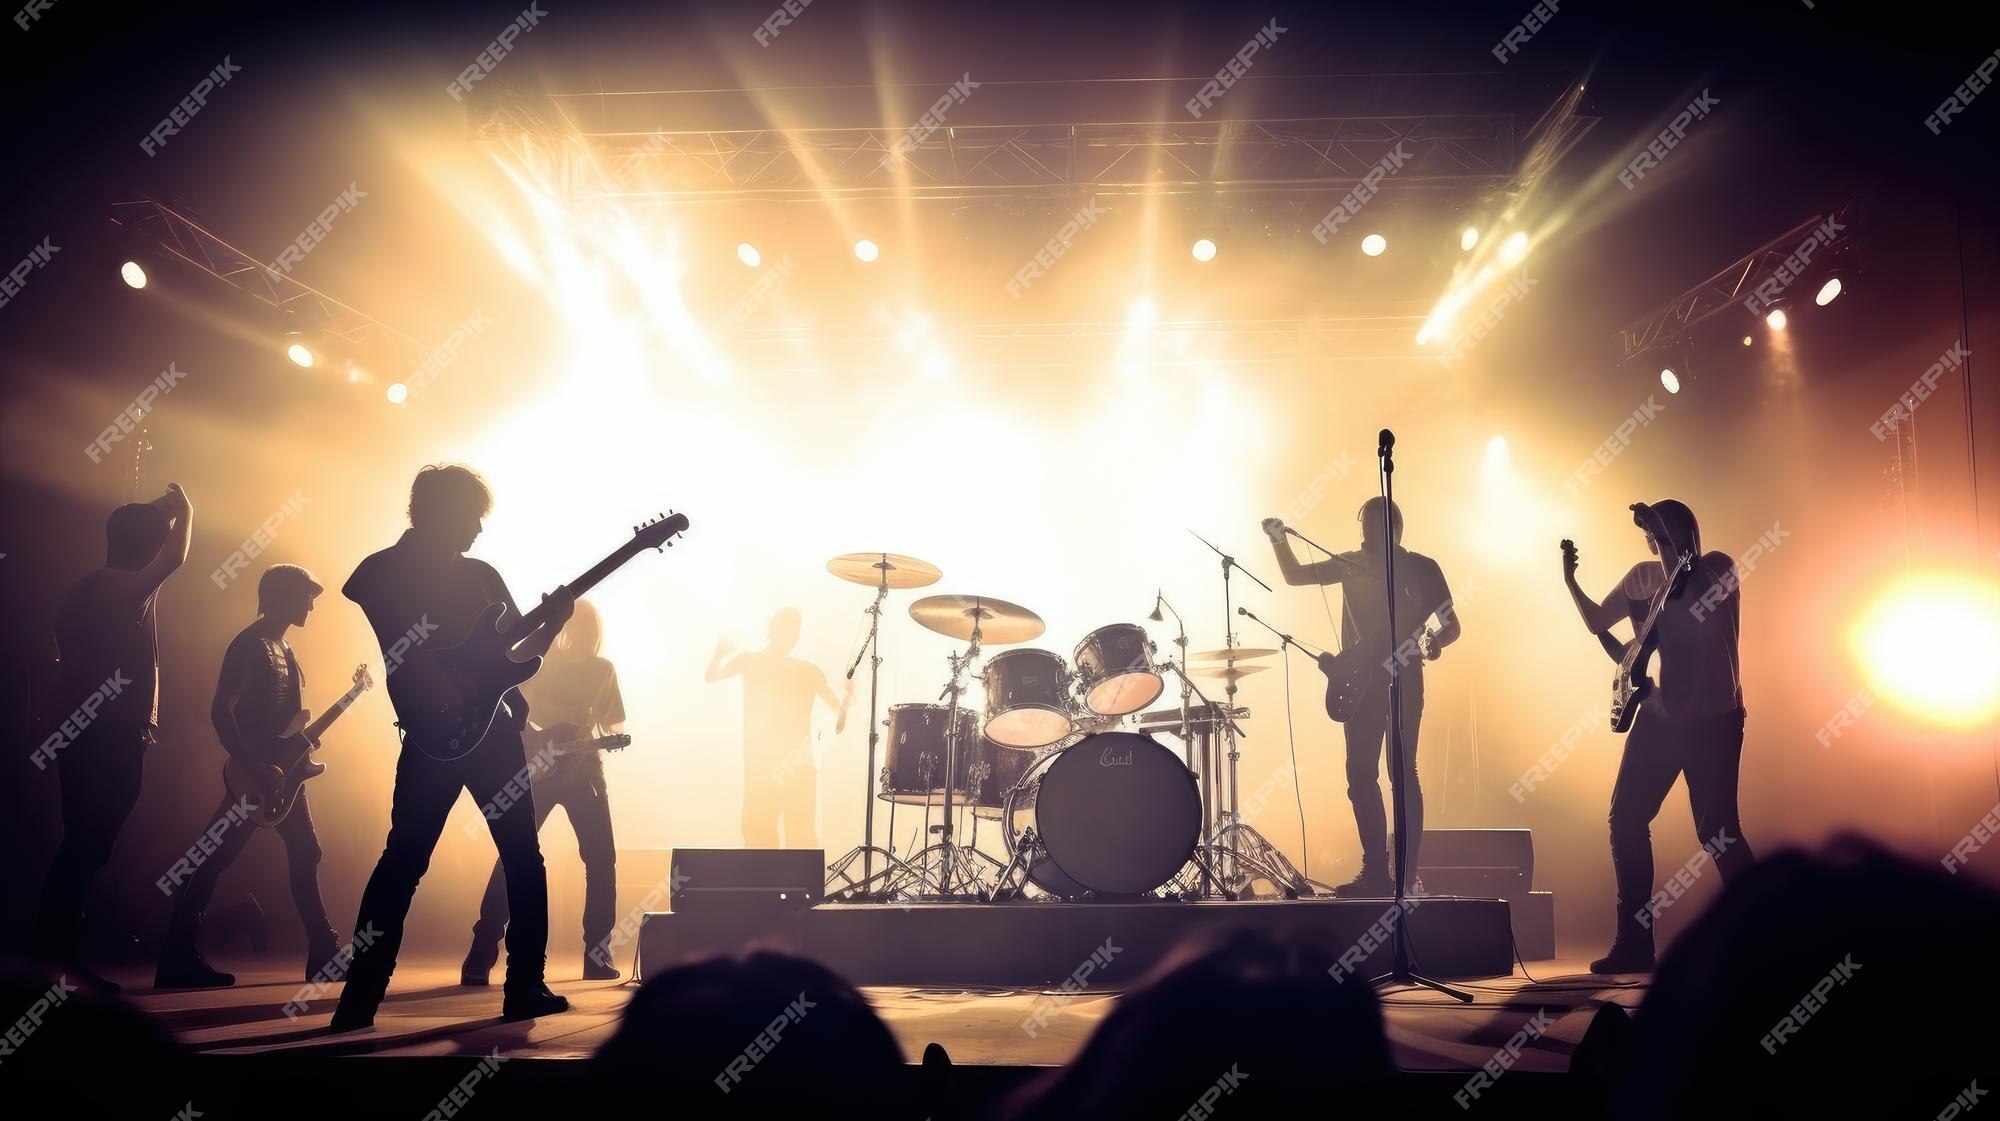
(446, 699)
(293, 750)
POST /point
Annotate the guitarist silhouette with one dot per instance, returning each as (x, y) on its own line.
(424, 589)
(1366, 644)
(256, 695)
(1690, 722)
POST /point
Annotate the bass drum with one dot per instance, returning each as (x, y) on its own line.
(1117, 814)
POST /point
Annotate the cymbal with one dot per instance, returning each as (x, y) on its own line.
(1227, 673)
(1000, 622)
(867, 568)
(1240, 653)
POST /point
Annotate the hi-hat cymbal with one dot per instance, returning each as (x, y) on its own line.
(1000, 622)
(1227, 673)
(868, 568)
(1239, 653)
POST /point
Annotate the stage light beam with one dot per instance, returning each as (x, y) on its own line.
(1468, 239)
(1930, 644)
(1514, 249)
(1204, 250)
(1777, 320)
(132, 274)
(1374, 245)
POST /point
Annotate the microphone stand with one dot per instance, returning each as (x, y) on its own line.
(1399, 939)
(1229, 679)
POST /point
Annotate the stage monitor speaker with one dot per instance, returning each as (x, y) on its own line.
(746, 880)
(1484, 863)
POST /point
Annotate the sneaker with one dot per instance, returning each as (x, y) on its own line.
(184, 968)
(529, 1001)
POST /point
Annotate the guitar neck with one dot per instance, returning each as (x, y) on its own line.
(318, 728)
(581, 585)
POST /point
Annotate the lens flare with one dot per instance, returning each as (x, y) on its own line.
(1204, 250)
(132, 274)
(1930, 645)
(1374, 244)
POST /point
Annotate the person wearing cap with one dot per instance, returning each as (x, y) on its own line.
(257, 695)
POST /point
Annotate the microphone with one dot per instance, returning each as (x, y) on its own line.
(1156, 616)
(1243, 611)
(1384, 442)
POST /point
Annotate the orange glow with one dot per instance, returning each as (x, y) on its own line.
(1930, 645)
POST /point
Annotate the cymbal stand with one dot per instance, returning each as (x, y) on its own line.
(1229, 729)
(948, 855)
(867, 850)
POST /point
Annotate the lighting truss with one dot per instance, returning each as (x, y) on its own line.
(1672, 322)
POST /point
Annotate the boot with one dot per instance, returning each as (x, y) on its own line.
(1631, 952)
(527, 1001)
(356, 1009)
(597, 963)
(183, 967)
(89, 982)
(1372, 883)
(479, 960)
(322, 947)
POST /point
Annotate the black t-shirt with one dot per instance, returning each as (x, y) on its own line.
(1421, 592)
(105, 628)
(267, 681)
(409, 592)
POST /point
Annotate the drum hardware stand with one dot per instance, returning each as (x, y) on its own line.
(1187, 738)
(867, 849)
(1399, 954)
(1229, 730)
(947, 850)
(1026, 848)
(1200, 744)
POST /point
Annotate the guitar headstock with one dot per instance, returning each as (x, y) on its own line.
(619, 742)
(659, 532)
(363, 680)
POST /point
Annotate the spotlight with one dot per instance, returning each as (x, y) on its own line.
(132, 274)
(301, 354)
(864, 249)
(1828, 292)
(1374, 244)
(1513, 249)
(1204, 250)
(1468, 239)
(1670, 381)
(747, 253)
(398, 393)
(1777, 320)
(1748, 341)
(1496, 451)
(1895, 639)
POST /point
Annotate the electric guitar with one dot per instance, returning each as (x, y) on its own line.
(293, 750)
(446, 699)
(559, 740)
(1631, 685)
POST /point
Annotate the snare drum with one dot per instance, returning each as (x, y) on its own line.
(913, 760)
(1027, 698)
(1114, 670)
(995, 773)
(1117, 814)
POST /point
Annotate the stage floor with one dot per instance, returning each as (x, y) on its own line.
(429, 1015)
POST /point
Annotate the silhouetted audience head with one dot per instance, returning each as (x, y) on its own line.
(767, 1035)
(1846, 983)
(83, 1056)
(1252, 1026)
(133, 535)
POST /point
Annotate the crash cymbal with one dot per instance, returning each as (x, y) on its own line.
(867, 568)
(1227, 673)
(1000, 622)
(1240, 653)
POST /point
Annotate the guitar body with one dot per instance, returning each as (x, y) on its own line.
(1349, 679)
(447, 698)
(296, 743)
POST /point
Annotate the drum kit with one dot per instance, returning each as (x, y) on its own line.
(1087, 805)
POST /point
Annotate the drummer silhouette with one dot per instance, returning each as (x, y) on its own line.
(780, 779)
